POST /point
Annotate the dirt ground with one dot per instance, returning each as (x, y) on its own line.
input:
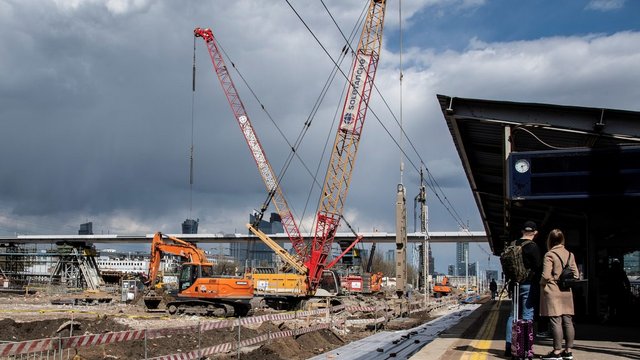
(33, 317)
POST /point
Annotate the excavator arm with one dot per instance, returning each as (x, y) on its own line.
(199, 291)
(178, 247)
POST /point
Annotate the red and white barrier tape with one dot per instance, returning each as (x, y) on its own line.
(26, 347)
(31, 346)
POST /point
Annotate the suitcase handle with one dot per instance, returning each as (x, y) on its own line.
(516, 301)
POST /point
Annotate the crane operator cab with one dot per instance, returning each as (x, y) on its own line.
(329, 284)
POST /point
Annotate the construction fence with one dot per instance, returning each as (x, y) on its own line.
(309, 321)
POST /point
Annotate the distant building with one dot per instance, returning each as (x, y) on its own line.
(86, 229)
(462, 251)
(632, 263)
(190, 226)
(256, 253)
(472, 270)
(451, 270)
(390, 256)
(492, 274)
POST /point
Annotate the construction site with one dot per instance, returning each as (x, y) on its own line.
(33, 327)
(57, 303)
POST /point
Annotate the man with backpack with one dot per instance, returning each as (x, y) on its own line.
(521, 264)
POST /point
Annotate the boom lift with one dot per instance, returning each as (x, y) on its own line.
(200, 291)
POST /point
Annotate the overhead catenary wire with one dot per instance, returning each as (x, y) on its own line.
(307, 124)
(431, 183)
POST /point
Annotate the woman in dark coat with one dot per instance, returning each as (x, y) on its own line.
(555, 303)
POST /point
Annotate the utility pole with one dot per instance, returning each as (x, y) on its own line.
(466, 268)
(401, 241)
(424, 228)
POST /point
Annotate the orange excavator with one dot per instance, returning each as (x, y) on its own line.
(442, 288)
(200, 291)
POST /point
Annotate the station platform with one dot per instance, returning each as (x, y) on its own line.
(480, 335)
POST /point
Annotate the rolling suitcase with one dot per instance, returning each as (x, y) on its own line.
(521, 331)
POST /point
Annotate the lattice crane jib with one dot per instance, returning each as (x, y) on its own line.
(347, 139)
(255, 147)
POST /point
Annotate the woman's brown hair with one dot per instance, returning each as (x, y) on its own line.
(556, 237)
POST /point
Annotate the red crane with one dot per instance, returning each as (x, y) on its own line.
(346, 143)
(314, 260)
(264, 167)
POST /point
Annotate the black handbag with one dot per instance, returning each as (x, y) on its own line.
(566, 279)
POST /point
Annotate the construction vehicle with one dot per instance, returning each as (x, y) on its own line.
(355, 280)
(200, 291)
(442, 288)
(280, 289)
(310, 261)
(255, 147)
(372, 281)
(340, 168)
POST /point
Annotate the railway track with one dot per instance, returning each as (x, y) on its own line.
(399, 344)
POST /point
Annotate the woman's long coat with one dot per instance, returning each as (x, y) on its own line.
(554, 302)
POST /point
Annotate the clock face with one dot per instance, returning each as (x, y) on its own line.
(522, 166)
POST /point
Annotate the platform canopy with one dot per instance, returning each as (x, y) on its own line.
(576, 168)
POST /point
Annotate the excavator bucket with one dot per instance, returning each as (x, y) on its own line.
(152, 300)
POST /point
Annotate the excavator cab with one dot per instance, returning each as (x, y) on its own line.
(190, 272)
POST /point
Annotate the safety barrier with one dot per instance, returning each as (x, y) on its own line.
(88, 340)
(230, 346)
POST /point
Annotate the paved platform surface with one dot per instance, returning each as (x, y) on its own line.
(480, 336)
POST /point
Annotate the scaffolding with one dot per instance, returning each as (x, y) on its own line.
(72, 266)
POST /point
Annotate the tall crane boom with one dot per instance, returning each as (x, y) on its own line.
(347, 139)
(264, 167)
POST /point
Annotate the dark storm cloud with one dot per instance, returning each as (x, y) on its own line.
(95, 108)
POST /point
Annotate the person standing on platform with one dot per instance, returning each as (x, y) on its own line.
(493, 287)
(555, 303)
(619, 292)
(528, 289)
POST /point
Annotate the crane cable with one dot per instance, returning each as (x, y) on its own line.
(431, 183)
(193, 96)
(297, 143)
(400, 65)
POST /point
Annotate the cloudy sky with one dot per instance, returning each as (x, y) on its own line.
(97, 111)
